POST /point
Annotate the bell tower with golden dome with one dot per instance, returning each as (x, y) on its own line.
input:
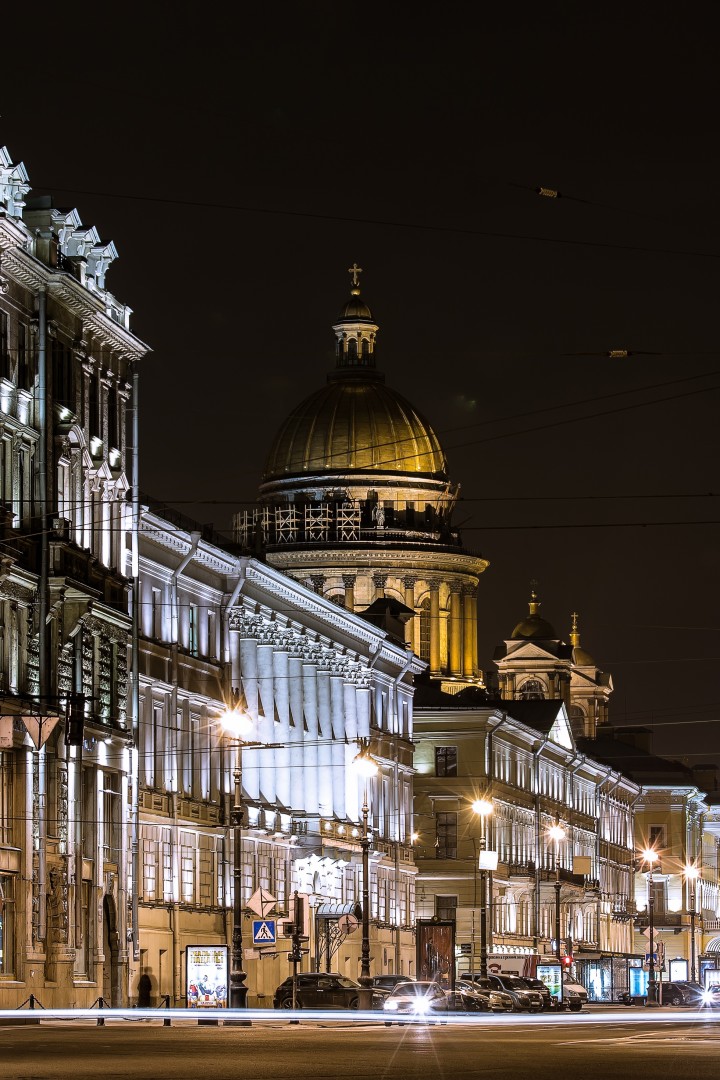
(535, 664)
(356, 502)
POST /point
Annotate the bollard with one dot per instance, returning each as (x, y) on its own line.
(100, 1019)
(166, 1019)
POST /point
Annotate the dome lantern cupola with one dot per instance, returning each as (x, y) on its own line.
(355, 332)
(533, 625)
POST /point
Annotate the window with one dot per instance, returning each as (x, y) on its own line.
(193, 630)
(532, 690)
(156, 617)
(657, 838)
(24, 373)
(7, 924)
(63, 382)
(446, 760)
(113, 434)
(446, 907)
(446, 836)
(112, 832)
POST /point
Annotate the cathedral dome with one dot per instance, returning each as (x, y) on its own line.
(533, 625)
(355, 423)
(356, 308)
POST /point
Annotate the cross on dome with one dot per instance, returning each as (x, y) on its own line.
(355, 270)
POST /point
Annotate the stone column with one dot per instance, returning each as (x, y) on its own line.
(318, 583)
(379, 581)
(455, 630)
(409, 583)
(434, 627)
(469, 663)
(349, 586)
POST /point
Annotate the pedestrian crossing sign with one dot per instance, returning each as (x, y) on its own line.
(264, 931)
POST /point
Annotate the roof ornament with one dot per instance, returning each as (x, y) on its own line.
(574, 630)
(355, 270)
(534, 602)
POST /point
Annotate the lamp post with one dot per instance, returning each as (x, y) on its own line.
(650, 856)
(487, 860)
(237, 724)
(365, 764)
(691, 876)
(556, 834)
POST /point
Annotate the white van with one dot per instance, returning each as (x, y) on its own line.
(570, 984)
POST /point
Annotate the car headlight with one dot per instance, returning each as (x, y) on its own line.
(391, 1006)
(708, 996)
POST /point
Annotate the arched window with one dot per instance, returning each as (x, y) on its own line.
(532, 690)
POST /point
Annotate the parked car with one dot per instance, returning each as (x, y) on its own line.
(484, 985)
(682, 993)
(549, 1001)
(467, 998)
(524, 999)
(389, 982)
(415, 1000)
(323, 990)
(497, 1000)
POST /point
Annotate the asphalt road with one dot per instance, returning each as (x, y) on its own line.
(618, 1045)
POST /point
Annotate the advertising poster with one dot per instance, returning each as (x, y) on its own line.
(206, 975)
(436, 952)
(551, 975)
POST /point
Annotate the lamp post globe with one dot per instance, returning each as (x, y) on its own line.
(691, 876)
(483, 808)
(650, 857)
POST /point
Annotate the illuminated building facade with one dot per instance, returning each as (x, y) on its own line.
(314, 680)
(66, 356)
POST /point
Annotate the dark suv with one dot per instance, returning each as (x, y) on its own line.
(548, 1000)
(524, 999)
(323, 990)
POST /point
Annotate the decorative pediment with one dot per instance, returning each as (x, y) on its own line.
(560, 732)
(527, 651)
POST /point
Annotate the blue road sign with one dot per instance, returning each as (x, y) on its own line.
(264, 931)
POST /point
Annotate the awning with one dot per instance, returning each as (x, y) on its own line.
(336, 911)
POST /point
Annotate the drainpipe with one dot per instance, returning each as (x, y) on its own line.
(43, 598)
(536, 773)
(239, 586)
(490, 772)
(396, 781)
(135, 668)
(195, 538)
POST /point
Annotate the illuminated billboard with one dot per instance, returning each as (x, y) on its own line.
(206, 976)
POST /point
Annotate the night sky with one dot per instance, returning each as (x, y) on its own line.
(242, 162)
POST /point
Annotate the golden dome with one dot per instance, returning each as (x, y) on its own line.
(533, 625)
(355, 423)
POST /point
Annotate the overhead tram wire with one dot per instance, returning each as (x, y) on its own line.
(386, 223)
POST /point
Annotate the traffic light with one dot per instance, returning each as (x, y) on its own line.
(567, 962)
(75, 720)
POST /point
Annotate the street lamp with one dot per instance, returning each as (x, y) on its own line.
(691, 876)
(650, 856)
(237, 724)
(556, 834)
(487, 861)
(366, 766)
